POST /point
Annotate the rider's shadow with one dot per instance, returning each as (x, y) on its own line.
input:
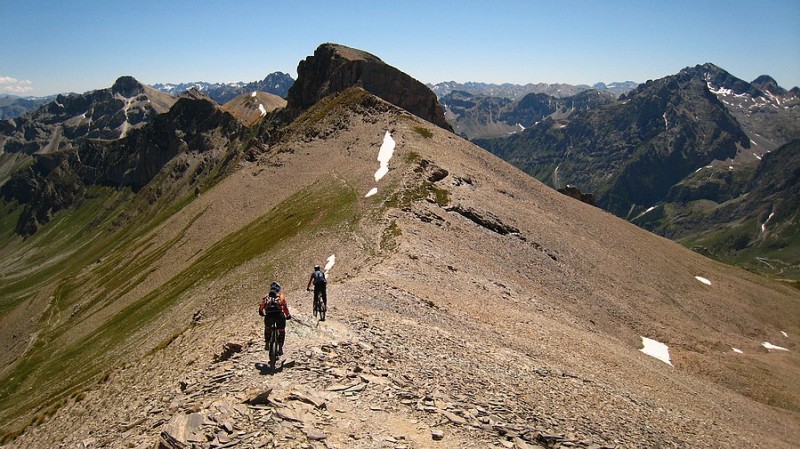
(264, 369)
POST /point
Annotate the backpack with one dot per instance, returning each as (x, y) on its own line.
(319, 277)
(270, 305)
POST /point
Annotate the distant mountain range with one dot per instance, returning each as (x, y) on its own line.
(668, 155)
(517, 91)
(480, 110)
(13, 106)
(674, 154)
(277, 83)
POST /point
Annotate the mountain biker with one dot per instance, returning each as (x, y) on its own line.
(320, 284)
(274, 309)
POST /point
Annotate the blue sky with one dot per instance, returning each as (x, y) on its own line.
(75, 46)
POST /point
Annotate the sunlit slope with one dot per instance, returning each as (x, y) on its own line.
(108, 293)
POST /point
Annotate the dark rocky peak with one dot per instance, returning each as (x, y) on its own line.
(333, 68)
(197, 115)
(127, 86)
(196, 94)
(767, 84)
(719, 80)
(795, 90)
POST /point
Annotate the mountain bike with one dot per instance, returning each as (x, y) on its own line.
(319, 306)
(273, 345)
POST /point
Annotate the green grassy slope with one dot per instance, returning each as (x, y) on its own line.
(56, 366)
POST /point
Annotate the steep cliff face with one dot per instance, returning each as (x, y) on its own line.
(333, 68)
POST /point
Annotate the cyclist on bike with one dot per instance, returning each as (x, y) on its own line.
(320, 283)
(274, 309)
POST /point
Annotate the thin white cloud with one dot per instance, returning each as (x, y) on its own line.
(14, 86)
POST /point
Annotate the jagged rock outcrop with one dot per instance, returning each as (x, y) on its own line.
(333, 68)
(574, 192)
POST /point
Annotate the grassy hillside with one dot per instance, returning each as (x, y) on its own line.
(73, 346)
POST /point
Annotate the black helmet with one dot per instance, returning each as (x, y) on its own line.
(275, 286)
(316, 267)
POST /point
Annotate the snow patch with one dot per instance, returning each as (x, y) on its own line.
(764, 225)
(737, 350)
(261, 108)
(770, 346)
(371, 192)
(785, 334)
(720, 91)
(703, 280)
(384, 155)
(253, 94)
(329, 263)
(656, 349)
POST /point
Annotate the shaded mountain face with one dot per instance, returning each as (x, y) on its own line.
(68, 120)
(277, 83)
(630, 152)
(746, 214)
(652, 145)
(193, 129)
(333, 68)
(101, 114)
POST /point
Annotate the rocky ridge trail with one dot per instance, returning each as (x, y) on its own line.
(349, 382)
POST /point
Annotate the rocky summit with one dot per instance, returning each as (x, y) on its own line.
(334, 68)
(470, 305)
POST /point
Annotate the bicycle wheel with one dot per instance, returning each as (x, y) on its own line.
(315, 307)
(273, 346)
(322, 310)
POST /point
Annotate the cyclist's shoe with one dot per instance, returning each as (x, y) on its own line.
(280, 351)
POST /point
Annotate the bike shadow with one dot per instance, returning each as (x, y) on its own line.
(264, 368)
